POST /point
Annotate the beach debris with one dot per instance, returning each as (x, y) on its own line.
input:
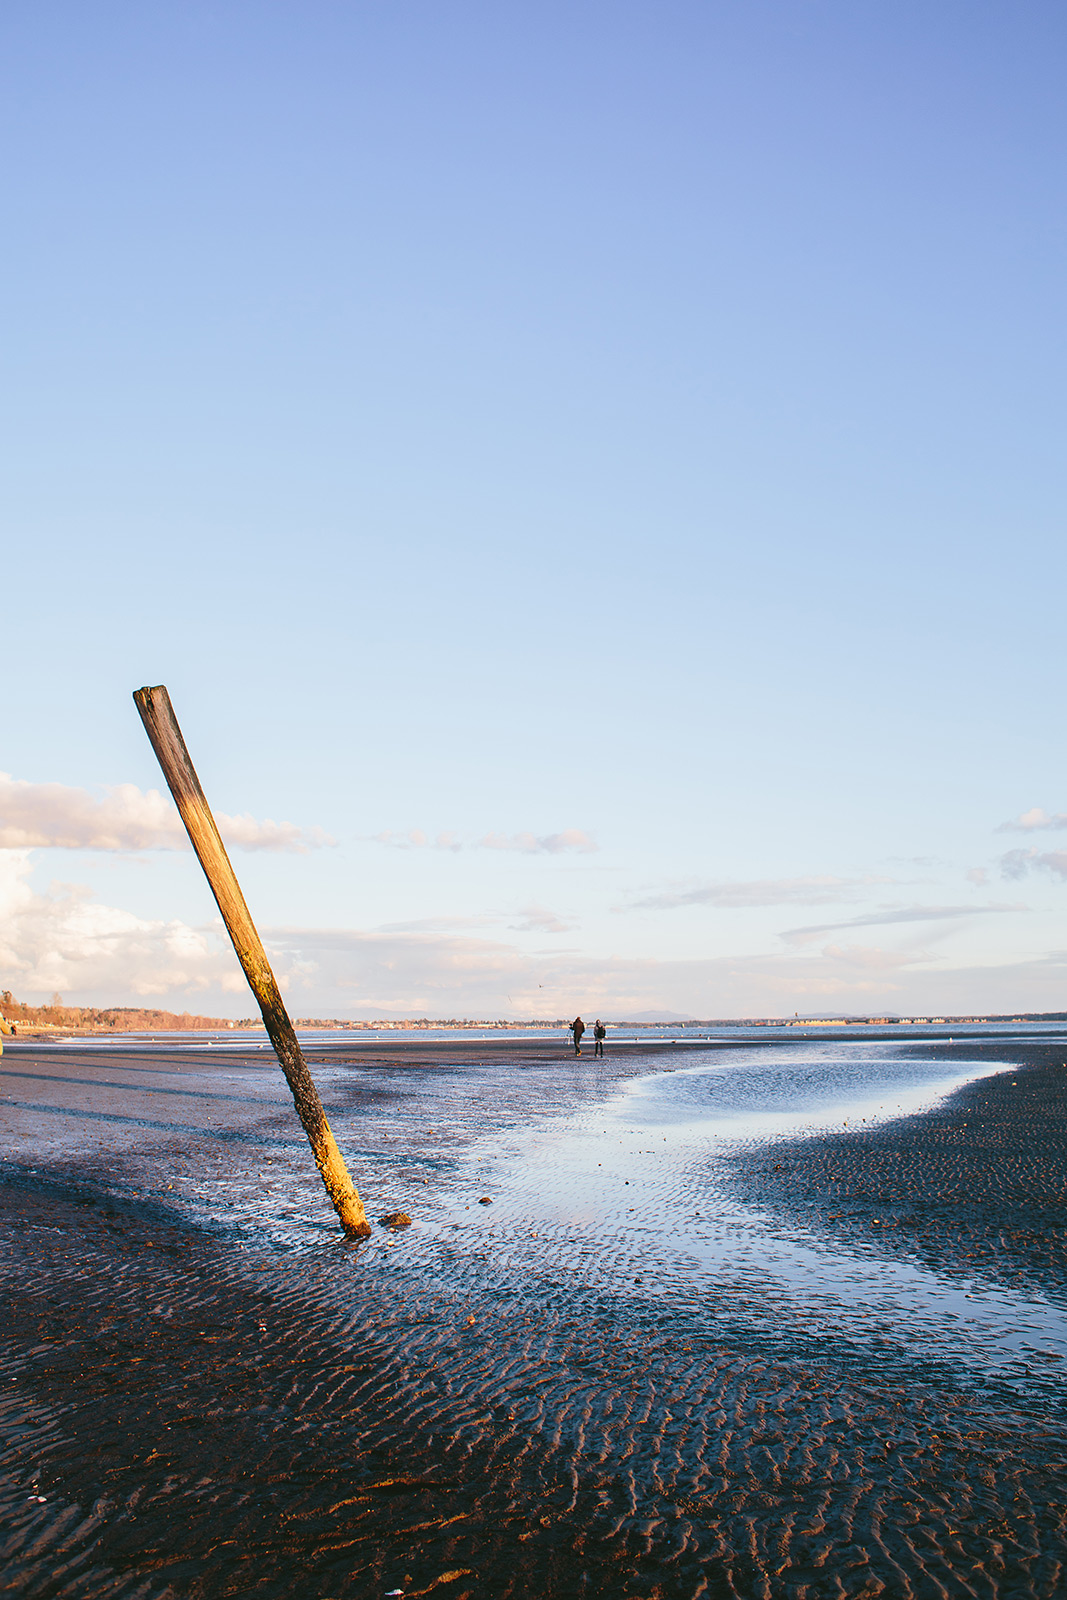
(395, 1219)
(165, 735)
(485, 1201)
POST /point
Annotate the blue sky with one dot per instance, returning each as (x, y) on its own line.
(621, 442)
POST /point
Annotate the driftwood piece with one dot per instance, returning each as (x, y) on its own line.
(162, 728)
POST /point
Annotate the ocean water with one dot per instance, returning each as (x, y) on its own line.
(651, 1037)
(650, 1170)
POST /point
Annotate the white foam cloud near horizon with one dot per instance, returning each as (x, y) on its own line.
(1016, 864)
(897, 914)
(58, 816)
(66, 940)
(1034, 819)
(480, 963)
(807, 891)
(529, 844)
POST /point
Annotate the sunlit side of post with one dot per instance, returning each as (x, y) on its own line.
(162, 728)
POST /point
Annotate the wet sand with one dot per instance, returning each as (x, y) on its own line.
(216, 1396)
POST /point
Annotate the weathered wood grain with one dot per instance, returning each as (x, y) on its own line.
(162, 728)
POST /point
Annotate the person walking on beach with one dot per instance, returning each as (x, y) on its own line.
(599, 1032)
(577, 1028)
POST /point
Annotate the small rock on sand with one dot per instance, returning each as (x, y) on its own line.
(395, 1219)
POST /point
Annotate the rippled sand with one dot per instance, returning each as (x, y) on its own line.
(682, 1353)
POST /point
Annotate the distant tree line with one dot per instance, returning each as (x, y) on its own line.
(113, 1019)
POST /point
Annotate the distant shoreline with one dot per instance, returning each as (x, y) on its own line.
(355, 1036)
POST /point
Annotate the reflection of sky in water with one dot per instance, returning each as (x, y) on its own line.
(778, 1095)
(625, 1200)
(640, 1174)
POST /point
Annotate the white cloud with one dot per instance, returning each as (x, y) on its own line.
(527, 919)
(979, 876)
(524, 843)
(538, 919)
(415, 839)
(440, 924)
(813, 891)
(249, 833)
(96, 954)
(373, 973)
(1017, 863)
(58, 816)
(65, 940)
(1031, 820)
(872, 958)
(529, 844)
(878, 919)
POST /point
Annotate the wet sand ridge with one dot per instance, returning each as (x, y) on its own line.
(219, 1405)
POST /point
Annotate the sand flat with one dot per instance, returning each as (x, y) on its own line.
(561, 1393)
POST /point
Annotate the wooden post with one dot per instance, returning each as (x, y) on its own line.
(162, 728)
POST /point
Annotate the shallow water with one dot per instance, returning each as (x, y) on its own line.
(644, 1167)
(605, 1186)
(630, 1198)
